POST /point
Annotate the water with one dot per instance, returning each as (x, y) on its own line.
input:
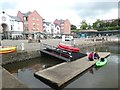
(104, 77)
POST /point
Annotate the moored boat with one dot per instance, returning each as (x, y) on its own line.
(5, 50)
(68, 48)
(101, 62)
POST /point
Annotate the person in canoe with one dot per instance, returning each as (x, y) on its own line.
(96, 56)
(91, 56)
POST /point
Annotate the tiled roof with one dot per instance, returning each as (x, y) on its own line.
(16, 18)
(61, 21)
(26, 14)
(56, 24)
(47, 23)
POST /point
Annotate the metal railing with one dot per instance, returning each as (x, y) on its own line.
(57, 51)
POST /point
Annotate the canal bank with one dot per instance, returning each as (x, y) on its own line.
(19, 56)
(32, 50)
(10, 81)
(22, 59)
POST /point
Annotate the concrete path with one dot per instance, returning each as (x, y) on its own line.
(9, 81)
(64, 72)
(81, 42)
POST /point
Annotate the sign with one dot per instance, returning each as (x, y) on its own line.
(3, 18)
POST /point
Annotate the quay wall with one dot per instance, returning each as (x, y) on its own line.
(19, 56)
(32, 50)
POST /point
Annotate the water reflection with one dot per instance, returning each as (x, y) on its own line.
(91, 71)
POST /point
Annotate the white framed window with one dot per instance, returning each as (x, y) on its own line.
(37, 24)
(37, 19)
(37, 28)
(33, 28)
(33, 24)
(24, 18)
(62, 27)
(33, 18)
(62, 24)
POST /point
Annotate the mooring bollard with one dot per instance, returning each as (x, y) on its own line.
(22, 47)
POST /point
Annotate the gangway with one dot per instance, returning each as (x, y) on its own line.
(60, 53)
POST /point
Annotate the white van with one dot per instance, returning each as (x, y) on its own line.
(68, 38)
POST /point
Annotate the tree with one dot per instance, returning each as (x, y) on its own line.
(83, 25)
(106, 24)
(73, 27)
(97, 24)
(114, 23)
(89, 26)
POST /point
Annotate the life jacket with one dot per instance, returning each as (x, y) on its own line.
(91, 55)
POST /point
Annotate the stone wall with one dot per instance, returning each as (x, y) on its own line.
(19, 56)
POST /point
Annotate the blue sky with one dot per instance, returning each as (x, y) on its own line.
(74, 10)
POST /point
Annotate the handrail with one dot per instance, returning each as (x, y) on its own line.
(60, 51)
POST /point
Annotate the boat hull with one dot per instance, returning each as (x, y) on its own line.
(69, 48)
(6, 50)
(101, 63)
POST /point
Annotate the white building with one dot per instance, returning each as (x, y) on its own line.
(10, 26)
(51, 28)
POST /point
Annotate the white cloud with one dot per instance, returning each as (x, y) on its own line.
(112, 14)
(52, 9)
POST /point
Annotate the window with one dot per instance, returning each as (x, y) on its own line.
(11, 27)
(62, 24)
(57, 28)
(37, 19)
(33, 24)
(44, 27)
(62, 27)
(37, 24)
(24, 18)
(33, 28)
(33, 18)
(37, 28)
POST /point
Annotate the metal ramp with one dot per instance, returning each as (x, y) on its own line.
(60, 53)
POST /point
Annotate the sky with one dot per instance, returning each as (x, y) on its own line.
(73, 10)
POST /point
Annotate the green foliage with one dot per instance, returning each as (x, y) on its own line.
(83, 25)
(73, 27)
(89, 26)
(75, 30)
(106, 25)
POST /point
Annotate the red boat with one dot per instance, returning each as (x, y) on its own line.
(68, 48)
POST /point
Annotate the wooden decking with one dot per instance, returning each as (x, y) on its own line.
(64, 72)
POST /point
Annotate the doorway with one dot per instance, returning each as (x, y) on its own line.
(5, 31)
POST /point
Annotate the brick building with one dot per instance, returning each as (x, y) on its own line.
(32, 22)
(65, 26)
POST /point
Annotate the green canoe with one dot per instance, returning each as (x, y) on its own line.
(101, 62)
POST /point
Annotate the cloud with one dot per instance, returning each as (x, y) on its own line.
(93, 9)
(8, 4)
(74, 10)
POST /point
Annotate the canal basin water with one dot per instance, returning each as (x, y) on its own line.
(104, 77)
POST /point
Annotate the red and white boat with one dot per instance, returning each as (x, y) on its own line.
(68, 48)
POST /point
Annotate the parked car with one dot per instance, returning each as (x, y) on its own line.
(56, 36)
(68, 38)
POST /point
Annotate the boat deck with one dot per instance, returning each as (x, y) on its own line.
(64, 72)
